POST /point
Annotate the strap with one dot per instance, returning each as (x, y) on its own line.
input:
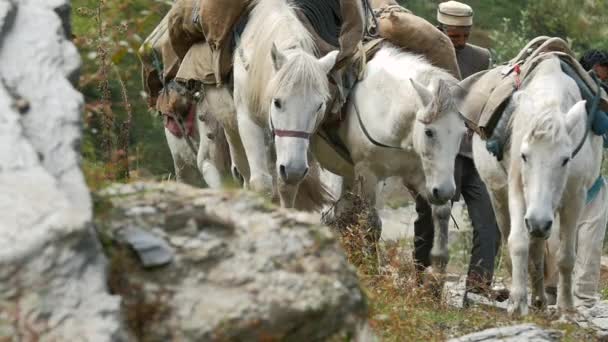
(594, 190)
(592, 108)
(334, 141)
(369, 137)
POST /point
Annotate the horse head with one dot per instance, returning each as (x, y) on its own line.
(437, 132)
(545, 153)
(298, 93)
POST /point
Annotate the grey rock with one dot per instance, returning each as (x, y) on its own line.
(515, 333)
(455, 291)
(152, 250)
(595, 318)
(53, 284)
(242, 270)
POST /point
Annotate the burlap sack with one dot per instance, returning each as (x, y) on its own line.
(158, 60)
(415, 34)
(382, 3)
(197, 65)
(218, 18)
(184, 26)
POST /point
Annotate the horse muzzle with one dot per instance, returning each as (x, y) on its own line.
(292, 175)
(539, 228)
(439, 195)
(292, 159)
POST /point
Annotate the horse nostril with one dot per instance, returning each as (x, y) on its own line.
(527, 223)
(283, 172)
(547, 226)
(436, 193)
(305, 173)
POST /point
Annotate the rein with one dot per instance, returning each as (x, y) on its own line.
(591, 109)
(366, 133)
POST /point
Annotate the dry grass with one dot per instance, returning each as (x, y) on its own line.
(400, 310)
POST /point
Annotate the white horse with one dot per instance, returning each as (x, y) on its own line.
(403, 102)
(203, 154)
(280, 92)
(539, 177)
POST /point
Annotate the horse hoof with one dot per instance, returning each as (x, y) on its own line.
(517, 307)
(539, 304)
(236, 175)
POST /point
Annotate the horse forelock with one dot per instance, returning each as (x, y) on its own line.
(271, 22)
(548, 126)
(542, 104)
(301, 72)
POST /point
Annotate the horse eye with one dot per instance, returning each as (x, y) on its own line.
(320, 107)
(565, 161)
(524, 158)
(429, 133)
(277, 103)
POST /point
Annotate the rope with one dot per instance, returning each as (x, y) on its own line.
(365, 132)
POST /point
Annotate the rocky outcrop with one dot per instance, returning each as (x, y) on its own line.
(198, 265)
(515, 333)
(52, 273)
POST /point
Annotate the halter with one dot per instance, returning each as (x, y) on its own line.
(286, 133)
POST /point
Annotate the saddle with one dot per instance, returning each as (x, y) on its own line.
(485, 95)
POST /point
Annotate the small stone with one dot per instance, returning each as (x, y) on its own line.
(152, 250)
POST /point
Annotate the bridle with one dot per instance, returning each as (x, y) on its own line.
(286, 133)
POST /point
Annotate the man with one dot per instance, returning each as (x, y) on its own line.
(598, 62)
(455, 20)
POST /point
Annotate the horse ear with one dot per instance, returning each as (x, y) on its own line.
(425, 95)
(329, 61)
(576, 115)
(278, 58)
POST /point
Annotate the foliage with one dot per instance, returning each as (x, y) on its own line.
(505, 26)
(122, 139)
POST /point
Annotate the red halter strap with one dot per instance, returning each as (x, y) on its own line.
(283, 133)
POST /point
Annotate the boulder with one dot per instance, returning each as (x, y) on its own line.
(52, 272)
(200, 265)
(515, 333)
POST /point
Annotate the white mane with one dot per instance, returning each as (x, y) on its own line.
(540, 107)
(273, 22)
(402, 65)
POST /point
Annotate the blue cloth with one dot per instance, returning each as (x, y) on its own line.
(595, 189)
(600, 123)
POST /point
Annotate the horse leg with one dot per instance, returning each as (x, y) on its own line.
(440, 254)
(519, 242)
(287, 193)
(254, 143)
(207, 168)
(238, 159)
(500, 203)
(569, 216)
(537, 262)
(184, 160)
